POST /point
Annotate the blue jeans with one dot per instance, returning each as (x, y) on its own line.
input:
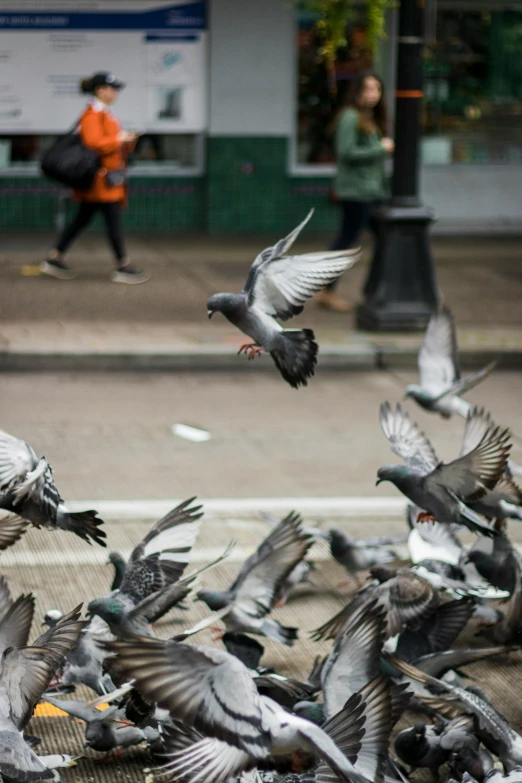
(355, 216)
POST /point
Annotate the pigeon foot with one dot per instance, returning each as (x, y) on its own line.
(217, 633)
(423, 516)
(251, 350)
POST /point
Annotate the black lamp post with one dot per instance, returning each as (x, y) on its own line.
(401, 291)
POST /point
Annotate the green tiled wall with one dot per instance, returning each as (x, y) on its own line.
(246, 189)
(249, 190)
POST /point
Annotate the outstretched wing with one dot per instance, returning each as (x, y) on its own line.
(279, 285)
(16, 459)
(174, 534)
(203, 687)
(12, 528)
(469, 477)
(203, 760)
(407, 440)
(258, 586)
(439, 356)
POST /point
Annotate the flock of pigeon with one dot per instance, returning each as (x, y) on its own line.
(210, 713)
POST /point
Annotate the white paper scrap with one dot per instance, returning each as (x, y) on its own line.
(191, 433)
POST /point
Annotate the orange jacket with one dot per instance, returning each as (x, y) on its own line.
(99, 129)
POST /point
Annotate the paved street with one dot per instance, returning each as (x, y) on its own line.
(109, 438)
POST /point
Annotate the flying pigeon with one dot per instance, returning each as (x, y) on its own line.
(259, 585)
(441, 383)
(360, 554)
(212, 692)
(444, 490)
(25, 672)
(277, 286)
(27, 488)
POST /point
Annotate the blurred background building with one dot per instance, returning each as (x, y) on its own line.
(237, 109)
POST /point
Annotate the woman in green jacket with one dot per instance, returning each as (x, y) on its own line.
(360, 183)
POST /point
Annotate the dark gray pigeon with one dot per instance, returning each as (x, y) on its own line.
(104, 729)
(260, 583)
(443, 489)
(490, 726)
(27, 488)
(361, 554)
(211, 691)
(119, 564)
(277, 287)
(441, 382)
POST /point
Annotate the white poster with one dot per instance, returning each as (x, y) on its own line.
(156, 49)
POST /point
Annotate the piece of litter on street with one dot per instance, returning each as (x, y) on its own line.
(30, 271)
(191, 433)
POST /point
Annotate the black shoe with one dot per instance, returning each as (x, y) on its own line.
(130, 275)
(57, 269)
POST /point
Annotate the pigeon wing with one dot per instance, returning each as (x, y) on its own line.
(208, 760)
(12, 528)
(203, 687)
(16, 459)
(16, 623)
(471, 475)
(27, 671)
(281, 286)
(439, 358)
(355, 658)
(175, 532)
(260, 588)
(409, 599)
(407, 440)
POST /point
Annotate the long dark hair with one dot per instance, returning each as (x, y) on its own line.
(374, 119)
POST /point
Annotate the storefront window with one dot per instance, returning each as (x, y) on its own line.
(473, 87)
(154, 152)
(320, 95)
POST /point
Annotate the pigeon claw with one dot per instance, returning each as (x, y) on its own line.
(251, 350)
(423, 516)
(217, 633)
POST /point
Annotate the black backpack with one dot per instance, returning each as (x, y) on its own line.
(70, 162)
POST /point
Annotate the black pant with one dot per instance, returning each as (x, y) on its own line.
(355, 216)
(111, 211)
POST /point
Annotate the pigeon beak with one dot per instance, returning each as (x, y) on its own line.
(210, 313)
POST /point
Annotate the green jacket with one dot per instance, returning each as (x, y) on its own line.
(360, 161)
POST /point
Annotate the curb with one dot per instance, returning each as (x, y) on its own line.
(331, 358)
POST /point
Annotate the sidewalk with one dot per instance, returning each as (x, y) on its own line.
(90, 323)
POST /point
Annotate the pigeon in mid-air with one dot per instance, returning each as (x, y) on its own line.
(261, 582)
(361, 554)
(211, 691)
(277, 286)
(441, 383)
(27, 488)
(443, 490)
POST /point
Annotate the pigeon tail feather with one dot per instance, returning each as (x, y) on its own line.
(296, 356)
(86, 525)
(279, 632)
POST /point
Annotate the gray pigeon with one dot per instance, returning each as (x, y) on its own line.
(27, 488)
(277, 287)
(443, 489)
(105, 730)
(360, 554)
(151, 584)
(260, 583)
(119, 564)
(211, 691)
(490, 726)
(441, 383)
(25, 672)
(406, 596)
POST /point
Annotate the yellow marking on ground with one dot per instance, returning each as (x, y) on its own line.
(30, 270)
(46, 710)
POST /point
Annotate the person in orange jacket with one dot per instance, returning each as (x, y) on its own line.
(101, 131)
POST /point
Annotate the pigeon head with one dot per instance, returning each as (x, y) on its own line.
(383, 573)
(213, 599)
(397, 474)
(336, 536)
(417, 393)
(222, 303)
(116, 559)
(52, 616)
(310, 711)
(109, 609)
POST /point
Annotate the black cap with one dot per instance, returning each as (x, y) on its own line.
(104, 79)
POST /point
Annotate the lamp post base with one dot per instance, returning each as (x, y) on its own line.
(401, 291)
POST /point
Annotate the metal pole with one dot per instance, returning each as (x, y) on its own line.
(401, 292)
